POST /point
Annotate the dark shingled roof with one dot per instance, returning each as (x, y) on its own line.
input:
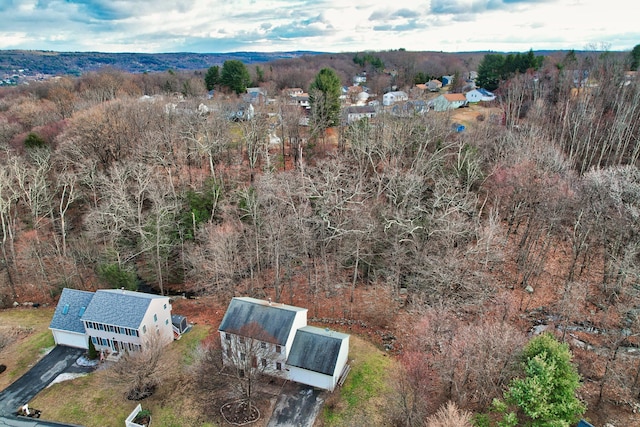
(118, 307)
(258, 319)
(316, 349)
(67, 314)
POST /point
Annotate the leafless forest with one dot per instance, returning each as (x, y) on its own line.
(457, 244)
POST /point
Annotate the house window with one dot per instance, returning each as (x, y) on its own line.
(227, 336)
(241, 373)
(94, 340)
(278, 349)
(242, 356)
(263, 345)
(155, 317)
(279, 366)
(241, 340)
(166, 322)
(144, 329)
(101, 326)
(165, 306)
(263, 361)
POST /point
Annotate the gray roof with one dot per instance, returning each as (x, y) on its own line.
(119, 307)
(250, 317)
(68, 311)
(316, 349)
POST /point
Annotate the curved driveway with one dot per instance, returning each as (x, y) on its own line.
(25, 388)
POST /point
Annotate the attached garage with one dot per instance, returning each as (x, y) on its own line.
(71, 339)
(66, 324)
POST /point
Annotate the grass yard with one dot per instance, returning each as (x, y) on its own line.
(29, 338)
(96, 401)
(362, 397)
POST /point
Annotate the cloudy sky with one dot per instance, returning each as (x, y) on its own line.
(318, 25)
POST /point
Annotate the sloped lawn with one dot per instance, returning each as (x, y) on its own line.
(29, 339)
(362, 397)
(96, 401)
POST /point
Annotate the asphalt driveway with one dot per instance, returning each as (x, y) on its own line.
(297, 408)
(25, 388)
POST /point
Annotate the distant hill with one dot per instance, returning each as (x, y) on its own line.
(56, 63)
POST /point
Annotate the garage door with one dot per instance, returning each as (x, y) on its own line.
(72, 339)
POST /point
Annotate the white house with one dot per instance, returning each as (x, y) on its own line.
(357, 112)
(393, 97)
(114, 320)
(288, 348)
(449, 101)
(477, 95)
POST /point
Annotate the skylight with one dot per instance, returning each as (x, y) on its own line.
(81, 312)
(65, 309)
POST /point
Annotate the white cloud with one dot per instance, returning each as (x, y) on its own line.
(322, 25)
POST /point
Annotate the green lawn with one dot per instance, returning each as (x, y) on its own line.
(364, 392)
(33, 338)
(96, 401)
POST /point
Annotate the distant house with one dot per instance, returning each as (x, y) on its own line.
(294, 91)
(410, 108)
(434, 85)
(446, 80)
(289, 348)
(114, 320)
(476, 95)
(255, 96)
(358, 112)
(360, 79)
(390, 98)
(449, 101)
(241, 112)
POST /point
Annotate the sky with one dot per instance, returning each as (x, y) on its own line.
(212, 26)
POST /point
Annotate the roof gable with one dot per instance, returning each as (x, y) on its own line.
(69, 311)
(316, 349)
(259, 319)
(119, 307)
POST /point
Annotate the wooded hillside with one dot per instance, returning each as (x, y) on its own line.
(454, 245)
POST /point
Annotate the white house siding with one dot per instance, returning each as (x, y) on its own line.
(71, 339)
(106, 339)
(473, 96)
(161, 325)
(311, 378)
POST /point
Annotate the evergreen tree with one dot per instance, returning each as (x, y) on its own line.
(635, 57)
(212, 78)
(235, 76)
(545, 397)
(324, 98)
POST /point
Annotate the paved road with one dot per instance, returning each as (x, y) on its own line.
(25, 388)
(298, 408)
